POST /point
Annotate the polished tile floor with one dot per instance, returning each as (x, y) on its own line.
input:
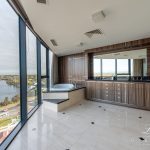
(88, 126)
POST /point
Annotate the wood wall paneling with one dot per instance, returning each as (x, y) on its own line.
(126, 46)
(72, 69)
(148, 61)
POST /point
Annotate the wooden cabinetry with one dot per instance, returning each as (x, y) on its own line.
(90, 90)
(147, 95)
(98, 88)
(118, 92)
(140, 96)
(135, 94)
(124, 93)
(132, 94)
(108, 91)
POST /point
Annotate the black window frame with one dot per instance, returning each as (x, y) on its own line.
(116, 71)
(46, 76)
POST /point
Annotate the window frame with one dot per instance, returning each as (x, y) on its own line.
(116, 71)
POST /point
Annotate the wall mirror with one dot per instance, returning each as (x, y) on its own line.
(121, 65)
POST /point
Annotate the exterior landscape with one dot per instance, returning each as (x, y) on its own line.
(10, 101)
(9, 104)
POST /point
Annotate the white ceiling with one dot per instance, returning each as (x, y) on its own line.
(66, 21)
(135, 54)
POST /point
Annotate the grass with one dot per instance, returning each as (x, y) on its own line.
(6, 121)
(9, 106)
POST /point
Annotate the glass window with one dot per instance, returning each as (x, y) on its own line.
(43, 60)
(108, 68)
(97, 67)
(43, 68)
(122, 67)
(9, 70)
(50, 68)
(31, 70)
(132, 71)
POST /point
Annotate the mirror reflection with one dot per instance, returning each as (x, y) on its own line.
(128, 65)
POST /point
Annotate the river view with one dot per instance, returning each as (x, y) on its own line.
(7, 90)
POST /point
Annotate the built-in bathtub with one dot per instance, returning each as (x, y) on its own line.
(62, 87)
(63, 96)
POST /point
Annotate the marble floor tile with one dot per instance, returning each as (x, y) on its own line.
(86, 126)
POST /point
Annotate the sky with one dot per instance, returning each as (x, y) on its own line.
(109, 66)
(9, 43)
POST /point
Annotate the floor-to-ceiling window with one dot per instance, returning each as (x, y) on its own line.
(31, 54)
(43, 68)
(50, 61)
(9, 70)
(20, 72)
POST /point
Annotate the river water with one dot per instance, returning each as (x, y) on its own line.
(7, 90)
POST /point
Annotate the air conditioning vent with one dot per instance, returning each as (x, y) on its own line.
(54, 42)
(90, 34)
(42, 1)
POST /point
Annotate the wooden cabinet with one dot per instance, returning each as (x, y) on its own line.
(140, 96)
(108, 91)
(147, 95)
(132, 94)
(98, 88)
(124, 93)
(90, 90)
(118, 92)
(135, 94)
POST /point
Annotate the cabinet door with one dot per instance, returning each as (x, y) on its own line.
(140, 96)
(90, 90)
(132, 93)
(125, 93)
(147, 95)
(98, 90)
(108, 91)
(111, 91)
(118, 92)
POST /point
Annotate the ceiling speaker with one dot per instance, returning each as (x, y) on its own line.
(98, 16)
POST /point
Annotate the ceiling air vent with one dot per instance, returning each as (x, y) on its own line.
(90, 34)
(42, 1)
(54, 42)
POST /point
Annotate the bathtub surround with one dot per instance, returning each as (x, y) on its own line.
(60, 100)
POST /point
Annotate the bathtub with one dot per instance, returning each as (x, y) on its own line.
(62, 87)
